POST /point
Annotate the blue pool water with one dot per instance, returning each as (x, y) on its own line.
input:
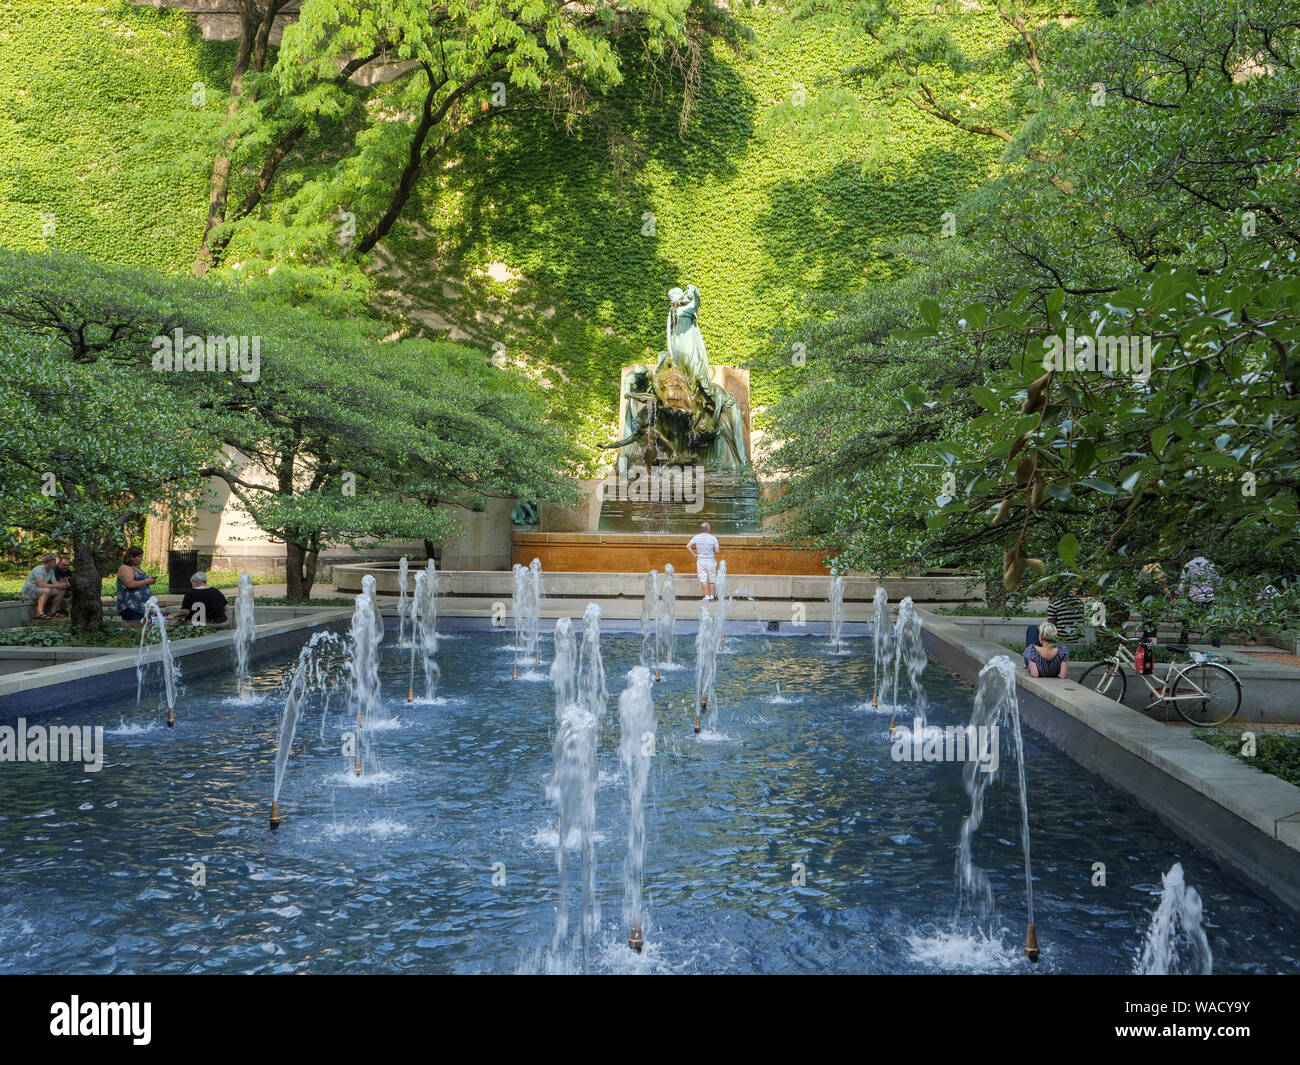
(395, 871)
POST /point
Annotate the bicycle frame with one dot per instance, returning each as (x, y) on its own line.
(1161, 693)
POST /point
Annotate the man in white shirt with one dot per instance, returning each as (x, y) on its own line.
(704, 549)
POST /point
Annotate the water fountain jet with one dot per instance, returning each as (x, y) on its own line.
(318, 671)
(706, 664)
(996, 706)
(636, 728)
(245, 632)
(1176, 942)
(401, 600)
(564, 666)
(837, 609)
(154, 619)
(424, 631)
(666, 619)
(881, 638)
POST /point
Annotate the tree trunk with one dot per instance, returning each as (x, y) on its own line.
(157, 541)
(86, 609)
(301, 570)
(254, 34)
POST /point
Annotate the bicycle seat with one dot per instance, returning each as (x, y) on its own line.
(1177, 648)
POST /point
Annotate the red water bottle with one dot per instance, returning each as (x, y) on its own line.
(1140, 658)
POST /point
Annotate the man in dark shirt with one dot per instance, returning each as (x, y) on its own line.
(206, 606)
(63, 574)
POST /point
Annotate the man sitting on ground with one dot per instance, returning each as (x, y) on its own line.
(44, 589)
(204, 605)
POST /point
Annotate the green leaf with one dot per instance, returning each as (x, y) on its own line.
(1068, 548)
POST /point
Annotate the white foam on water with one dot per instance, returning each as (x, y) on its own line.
(382, 724)
(437, 700)
(783, 700)
(123, 729)
(249, 698)
(349, 779)
(533, 675)
(708, 735)
(883, 708)
(965, 952)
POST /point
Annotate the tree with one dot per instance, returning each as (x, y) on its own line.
(452, 66)
(1181, 250)
(88, 448)
(356, 438)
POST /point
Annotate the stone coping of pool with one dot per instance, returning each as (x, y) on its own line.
(103, 677)
(596, 586)
(1248, 820)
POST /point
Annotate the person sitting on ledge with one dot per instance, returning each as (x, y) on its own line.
(1047, 658)
(206, 606)
(43, 588)
(63, 575)
(133, 586)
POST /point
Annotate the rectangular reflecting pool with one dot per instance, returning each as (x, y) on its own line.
(783, 838)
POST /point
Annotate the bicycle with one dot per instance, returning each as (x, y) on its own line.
(1203, 692)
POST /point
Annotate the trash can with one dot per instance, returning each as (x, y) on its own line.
(181, 566)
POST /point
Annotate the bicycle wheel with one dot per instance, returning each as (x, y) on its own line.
(1106, 678)
(1221, 699)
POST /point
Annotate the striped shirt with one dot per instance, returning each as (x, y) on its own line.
(1066, 614)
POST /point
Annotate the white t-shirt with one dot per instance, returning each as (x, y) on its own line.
(706, 544)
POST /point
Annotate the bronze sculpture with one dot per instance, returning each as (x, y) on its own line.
(675, 414)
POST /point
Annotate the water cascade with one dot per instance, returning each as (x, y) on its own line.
(706, 665)
(401, 601)
(881, 645)
(996, 706)
(564, 666)
(837, 609)
(245, 632)
(636, 747)
(318, 670)
(666, 617)
(155, 621)
(1176, 943)
(573, 790)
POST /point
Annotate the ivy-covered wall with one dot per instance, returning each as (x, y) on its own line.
(771, 194)
(81, 84)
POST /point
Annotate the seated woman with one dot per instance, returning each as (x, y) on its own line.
(1047, 658)
(133, 586)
